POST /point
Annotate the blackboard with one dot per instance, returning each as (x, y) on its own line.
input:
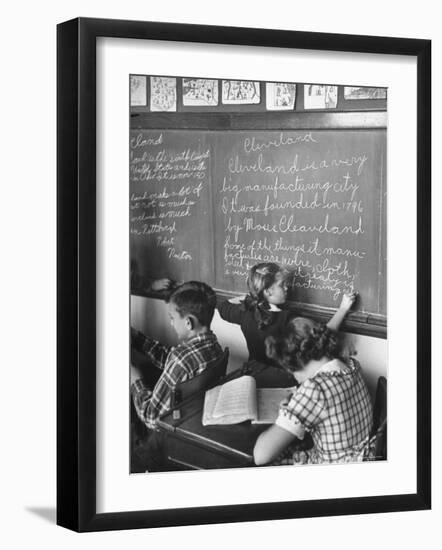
(170, 205)
(210, 204)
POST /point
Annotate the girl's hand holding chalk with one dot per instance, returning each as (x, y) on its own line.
(348, 300)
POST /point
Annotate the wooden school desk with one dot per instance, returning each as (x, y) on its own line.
(190, 445)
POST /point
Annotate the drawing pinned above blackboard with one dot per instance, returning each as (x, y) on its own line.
(240, 92)
(138, 90)
(162, 93)
(280, 96)
(319, 96)
(361, 92)
(200, 92)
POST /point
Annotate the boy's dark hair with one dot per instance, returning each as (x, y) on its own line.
(193, 299)
(202, 287)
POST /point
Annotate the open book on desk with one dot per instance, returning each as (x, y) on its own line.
(240, 400)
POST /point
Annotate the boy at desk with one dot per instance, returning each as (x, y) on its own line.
(191, 309)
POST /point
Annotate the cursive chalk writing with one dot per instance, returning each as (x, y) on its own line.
(251, 144)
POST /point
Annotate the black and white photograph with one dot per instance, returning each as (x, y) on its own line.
(249, 337)
(258, 269)
(220, 290)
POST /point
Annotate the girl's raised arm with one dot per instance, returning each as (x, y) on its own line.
(346, 304)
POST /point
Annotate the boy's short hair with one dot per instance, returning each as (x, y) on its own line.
(195, 298)
(202, 287)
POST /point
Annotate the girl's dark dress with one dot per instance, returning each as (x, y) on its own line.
(255, 338)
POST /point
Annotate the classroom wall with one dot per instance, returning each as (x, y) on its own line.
(150, 316)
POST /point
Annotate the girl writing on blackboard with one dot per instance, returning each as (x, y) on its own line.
(332, 402)
(261, 312)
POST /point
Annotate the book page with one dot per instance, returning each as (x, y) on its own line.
(268, 403)
(210, 400)
(237, 397)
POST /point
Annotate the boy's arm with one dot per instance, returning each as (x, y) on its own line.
(146, 284)
(161, 284)
(155, 351)
(151, 404)
(346, 304)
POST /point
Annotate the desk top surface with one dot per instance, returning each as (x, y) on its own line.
(234, 440)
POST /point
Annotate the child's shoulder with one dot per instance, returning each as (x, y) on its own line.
(310, 391)
(201, 340)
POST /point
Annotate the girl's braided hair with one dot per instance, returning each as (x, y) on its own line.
(261, 277)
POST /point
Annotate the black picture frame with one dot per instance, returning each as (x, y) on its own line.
(76, 273)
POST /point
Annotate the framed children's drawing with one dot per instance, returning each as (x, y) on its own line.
(243, 270)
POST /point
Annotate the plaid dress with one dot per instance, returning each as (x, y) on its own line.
(335, 407)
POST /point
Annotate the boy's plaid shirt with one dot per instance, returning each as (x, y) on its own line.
(178, 364)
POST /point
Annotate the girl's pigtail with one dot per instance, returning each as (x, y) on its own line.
(250, 303)
(263, 315)
(261, 277)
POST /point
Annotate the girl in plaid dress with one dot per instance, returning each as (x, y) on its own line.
(332, 401)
